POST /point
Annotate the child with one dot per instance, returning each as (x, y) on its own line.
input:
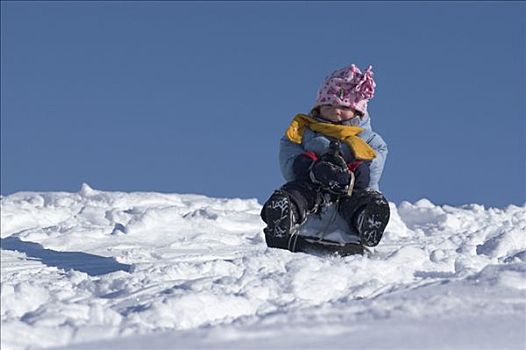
(331, 157)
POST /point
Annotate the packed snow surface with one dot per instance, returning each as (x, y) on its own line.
(112, 270)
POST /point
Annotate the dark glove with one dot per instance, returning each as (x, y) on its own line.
(302, 164)
(330, 172)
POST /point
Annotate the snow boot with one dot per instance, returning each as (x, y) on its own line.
(280, 215)
(367, 212)
(371, 222)
(286, 210)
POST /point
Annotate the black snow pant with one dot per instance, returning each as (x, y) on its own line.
(305, 197)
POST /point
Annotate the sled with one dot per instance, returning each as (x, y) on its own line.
(322, 234)
(322, 246)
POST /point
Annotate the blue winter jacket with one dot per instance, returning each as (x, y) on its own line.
(319, 144)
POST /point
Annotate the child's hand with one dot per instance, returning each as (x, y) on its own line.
(330, 172)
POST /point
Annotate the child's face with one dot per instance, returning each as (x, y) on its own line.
(337, 113)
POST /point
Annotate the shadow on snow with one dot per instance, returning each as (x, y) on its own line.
(93, 265)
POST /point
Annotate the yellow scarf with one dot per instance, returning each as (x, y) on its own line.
(360, 149)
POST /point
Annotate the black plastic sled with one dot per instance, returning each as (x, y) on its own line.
(311, 245)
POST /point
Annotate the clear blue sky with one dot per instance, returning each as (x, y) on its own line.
(192, 97)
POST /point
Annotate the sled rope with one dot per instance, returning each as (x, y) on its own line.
(293, 236)
(293, 239)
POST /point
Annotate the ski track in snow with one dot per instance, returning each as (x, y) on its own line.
(120, 270)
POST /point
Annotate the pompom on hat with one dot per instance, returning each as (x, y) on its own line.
(347, 87)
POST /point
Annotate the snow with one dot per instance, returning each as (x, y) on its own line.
(113, 270)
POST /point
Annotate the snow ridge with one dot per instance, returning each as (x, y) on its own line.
(98, 269)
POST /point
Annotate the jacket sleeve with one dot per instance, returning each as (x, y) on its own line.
(377, 164)
(288, 151)
(362, 176)
(378, 144)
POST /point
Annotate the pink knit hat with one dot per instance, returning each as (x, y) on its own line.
(347, 87)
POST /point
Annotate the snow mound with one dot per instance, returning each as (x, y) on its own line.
(118, 270)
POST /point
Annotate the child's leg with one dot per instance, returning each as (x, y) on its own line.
(288, 208)
(366, 212)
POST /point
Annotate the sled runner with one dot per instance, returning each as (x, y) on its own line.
(323, 246)
(298, 243)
